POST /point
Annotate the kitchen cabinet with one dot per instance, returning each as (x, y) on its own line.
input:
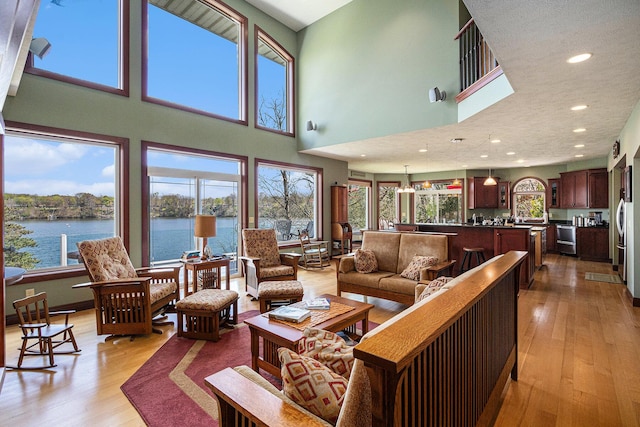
(551, 238)
(553, 193)
(593, 243)
(482, 196)
(516, 239)
(574, 189)
(504, 195)
(540, 234)
(598, 188)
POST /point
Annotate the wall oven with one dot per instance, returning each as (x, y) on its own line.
(566, 239)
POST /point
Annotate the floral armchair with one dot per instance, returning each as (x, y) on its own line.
(262, 260)
(126, 299)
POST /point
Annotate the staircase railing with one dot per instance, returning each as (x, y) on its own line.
(478, 64)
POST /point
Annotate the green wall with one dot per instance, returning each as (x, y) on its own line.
(51, 103)
(365, 70)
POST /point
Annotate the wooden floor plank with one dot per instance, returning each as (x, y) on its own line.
(579, 358)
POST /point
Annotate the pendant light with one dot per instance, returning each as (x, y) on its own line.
(407, 187)
(426, 184)
(456, 182)
(490, 180)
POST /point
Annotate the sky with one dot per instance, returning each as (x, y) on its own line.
(36, 166)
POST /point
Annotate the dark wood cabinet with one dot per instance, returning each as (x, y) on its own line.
(504, 195)
(516, 239)
(339, 204)
(551, 238)
(553, 193)
(482, 196)
(574, 190)
(592, 243)
(598, 188)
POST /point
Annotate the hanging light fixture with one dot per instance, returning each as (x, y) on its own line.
(456, 182)
(426, 184)
(490, 180)
(407, 187)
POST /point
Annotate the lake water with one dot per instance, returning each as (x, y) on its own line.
(169, 237)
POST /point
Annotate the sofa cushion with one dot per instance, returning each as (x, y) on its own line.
(312, 385)
(106, 259)
(327, 348)
(365, 261)
(370, 280)
(419, 262)
(412, 244)
(385, 244)
(398, 284)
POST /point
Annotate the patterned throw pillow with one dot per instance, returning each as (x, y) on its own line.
(327, 348)
(312, 385)
(418, 263)
(365, 261)
(434, 286)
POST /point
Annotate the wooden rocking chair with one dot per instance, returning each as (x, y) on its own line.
(34, 317)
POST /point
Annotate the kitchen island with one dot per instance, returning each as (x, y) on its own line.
(494, 240)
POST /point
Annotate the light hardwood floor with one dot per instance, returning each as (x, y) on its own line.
(578, 364)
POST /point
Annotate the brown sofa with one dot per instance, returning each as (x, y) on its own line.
(394, 251)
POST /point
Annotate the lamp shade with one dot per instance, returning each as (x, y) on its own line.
(205, 226)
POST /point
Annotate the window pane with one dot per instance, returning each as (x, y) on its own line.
(439, 204)
(56, 192)
(194, 57)
(529, 199)
(273, 99)
(387, 206)
(286, 200)
(359, 206)
(84, 37)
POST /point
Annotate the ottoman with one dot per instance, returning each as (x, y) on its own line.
(199, 313)
(288, 291)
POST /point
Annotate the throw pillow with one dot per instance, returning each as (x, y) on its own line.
(312, 385)
(418, 263)
(327, 348)
(365, 261)
(434, 286)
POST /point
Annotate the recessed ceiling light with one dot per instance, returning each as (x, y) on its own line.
(579, 107)
(465, 166)
(579, 58)
(422, 150)
(495, 141)
(578, 130)
(579, 155)
(511, 153)
(579, 146)
(520, 161)
(363, 155)
(484, 156)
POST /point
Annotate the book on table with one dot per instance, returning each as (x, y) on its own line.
(318, 304)
(289, 314)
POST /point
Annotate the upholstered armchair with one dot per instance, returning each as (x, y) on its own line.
(126, 299)
(262, 261)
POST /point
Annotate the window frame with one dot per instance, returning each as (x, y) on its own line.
(243, 69)
(419, 190)
(122, 186)
(318, 196)
(290, 95)
(396, 185)
(124, 61)
(144, 170)
(369, 186)
(514, 194)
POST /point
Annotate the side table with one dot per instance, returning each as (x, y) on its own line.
(206, 267)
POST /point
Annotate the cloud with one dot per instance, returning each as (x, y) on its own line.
(24, 156)
(109, 171)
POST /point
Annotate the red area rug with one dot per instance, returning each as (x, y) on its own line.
(169, 388)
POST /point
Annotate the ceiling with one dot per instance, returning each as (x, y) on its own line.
(532, 41)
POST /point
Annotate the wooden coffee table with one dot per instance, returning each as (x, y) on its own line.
(276, 334)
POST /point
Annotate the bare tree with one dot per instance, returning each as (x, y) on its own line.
(272, 113)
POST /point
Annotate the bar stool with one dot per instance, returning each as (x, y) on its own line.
(468, 255)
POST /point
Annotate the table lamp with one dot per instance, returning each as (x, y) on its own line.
(205, 227)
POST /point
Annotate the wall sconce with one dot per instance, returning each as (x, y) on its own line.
(435, 95)
(40, 47)
(311, 125)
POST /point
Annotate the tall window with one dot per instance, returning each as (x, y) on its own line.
(195, 52)
(89, 43)
(388, 204)
(274, 85)
(359, 202)
(59, 189)
(440, 204)
(177, 194)
(529, 199)
(288, 199)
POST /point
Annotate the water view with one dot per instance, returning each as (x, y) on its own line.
(169, 238)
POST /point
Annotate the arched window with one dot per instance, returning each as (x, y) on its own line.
(529, 199)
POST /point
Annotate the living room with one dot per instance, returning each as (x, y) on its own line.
(46, 105)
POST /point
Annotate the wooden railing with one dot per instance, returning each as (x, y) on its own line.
(478, 64)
